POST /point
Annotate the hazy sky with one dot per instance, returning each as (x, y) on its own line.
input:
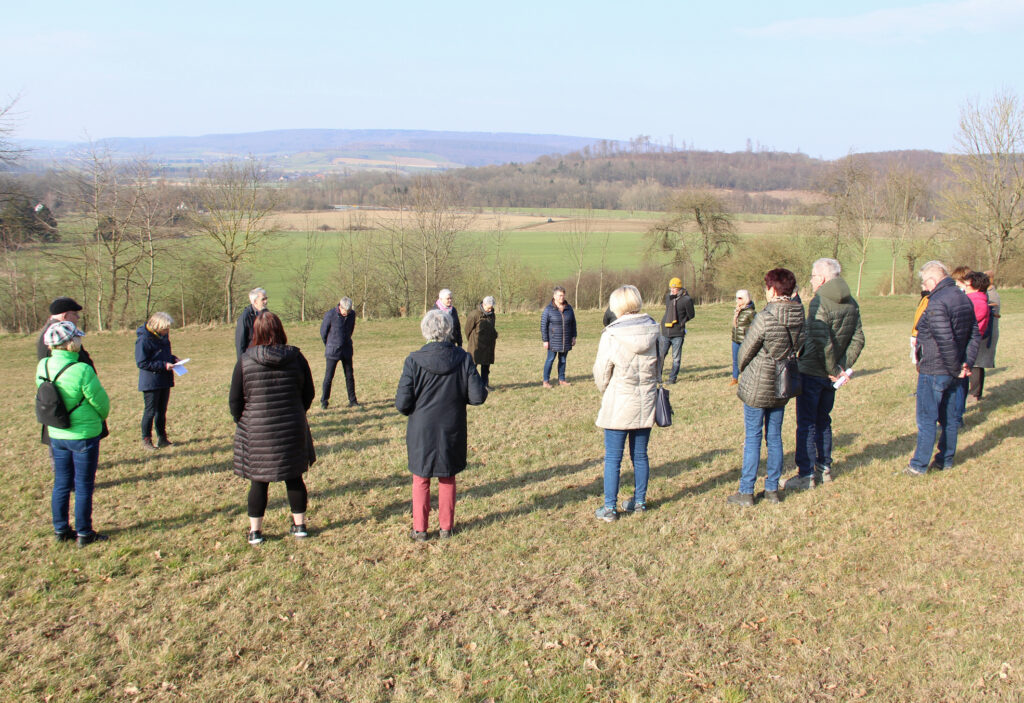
(824, 78)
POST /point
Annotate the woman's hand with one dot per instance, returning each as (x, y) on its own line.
(168, 365)
(545, 345)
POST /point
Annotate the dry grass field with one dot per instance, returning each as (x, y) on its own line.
(875, 587)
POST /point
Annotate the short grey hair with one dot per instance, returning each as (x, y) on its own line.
(743, 293)
(827, 268)
(345, 303)
(442, 293)
(255, 293)
(934, 266)
(489, 301)
(436, 326)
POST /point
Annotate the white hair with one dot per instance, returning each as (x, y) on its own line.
(743, 293)
(256, 293)
(345, 303)
(934, 266)
(436, 326)
(489, 301)
(443, 294)
(827, 268)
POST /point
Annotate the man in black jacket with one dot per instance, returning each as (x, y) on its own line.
(336, 333)
(947, 340)
(243, 330)
(678, 311)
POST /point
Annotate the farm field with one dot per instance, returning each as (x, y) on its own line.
(875, 587)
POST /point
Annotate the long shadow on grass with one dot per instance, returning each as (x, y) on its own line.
(571, 494)
(185, 472)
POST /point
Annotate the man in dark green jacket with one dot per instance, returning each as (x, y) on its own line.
(834, 339)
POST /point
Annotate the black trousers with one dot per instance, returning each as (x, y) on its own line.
(350, 379)
(258, 496)
(977, 382)
(485, 372)
(155, 412)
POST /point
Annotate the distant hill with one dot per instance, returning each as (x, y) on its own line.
(334, 150)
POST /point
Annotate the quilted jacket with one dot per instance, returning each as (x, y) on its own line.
(777, 329)
(834, 336)
(947, 333)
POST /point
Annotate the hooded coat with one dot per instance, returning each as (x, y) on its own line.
(271, 390)
(481, 336)
(437, 383)
(626, 372)
(743, 320)
(775, 332)
(834, 336)
(152, 353)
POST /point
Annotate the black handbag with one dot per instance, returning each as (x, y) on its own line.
(788, 383)
(662, 408)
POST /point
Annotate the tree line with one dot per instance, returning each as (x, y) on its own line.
(111, 231)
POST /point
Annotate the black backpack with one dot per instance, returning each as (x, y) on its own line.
(50, 409)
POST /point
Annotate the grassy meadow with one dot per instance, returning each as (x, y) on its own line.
(875, 587)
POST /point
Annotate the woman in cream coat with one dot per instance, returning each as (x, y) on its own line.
(626, 371)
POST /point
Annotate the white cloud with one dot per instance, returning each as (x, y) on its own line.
(917, 22)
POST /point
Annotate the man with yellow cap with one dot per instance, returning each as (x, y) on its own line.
(678, 311)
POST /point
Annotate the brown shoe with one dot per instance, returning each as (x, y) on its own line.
(546, 384)
(564, 383)
(147, 444)
(734, 382)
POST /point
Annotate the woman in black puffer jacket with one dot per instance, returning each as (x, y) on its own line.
(271, 390)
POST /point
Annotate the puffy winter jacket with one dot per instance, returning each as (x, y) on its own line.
(437, 383)
(626, 371)
(271, 390)
(834, 336)
(774, 333)
(336, 333)
(152, 352)
(77, 383)
(947, 333)
(558, 327)
(743, 320)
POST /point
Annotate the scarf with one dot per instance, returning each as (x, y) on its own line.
(443, 308)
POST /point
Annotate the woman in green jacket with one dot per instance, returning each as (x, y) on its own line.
(742, 316)
(75, 450)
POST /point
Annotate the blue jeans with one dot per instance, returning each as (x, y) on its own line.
(677, 356)
(561, 364)
(814, 424)
(768, 421)
(940, 399)
(614, 443)
(736, 359)
(74, 469)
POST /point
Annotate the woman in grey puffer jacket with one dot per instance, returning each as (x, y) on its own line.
(776, 331)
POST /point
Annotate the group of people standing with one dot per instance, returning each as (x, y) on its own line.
(272, 387)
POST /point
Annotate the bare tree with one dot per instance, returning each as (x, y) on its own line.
(697, 224)
(313, 247)
(987, 200)
(499, 238)
(904, 193)
(10, 153)
(576, 240)
(232, 206)
(437, 222)
(855, 203)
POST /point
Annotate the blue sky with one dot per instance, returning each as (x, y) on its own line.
(824, 78)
